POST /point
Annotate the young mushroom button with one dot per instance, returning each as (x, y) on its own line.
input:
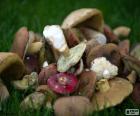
(69, 57)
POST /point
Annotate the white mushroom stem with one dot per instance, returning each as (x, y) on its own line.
(54, 35)
(103, 85)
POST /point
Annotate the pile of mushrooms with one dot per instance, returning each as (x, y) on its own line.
(75, 68)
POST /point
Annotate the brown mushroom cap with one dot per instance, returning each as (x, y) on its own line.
(11, 66)
(110, 51)
(20, 42)
(86, 84)
(72, 106)
(119, 90)
(88, 17)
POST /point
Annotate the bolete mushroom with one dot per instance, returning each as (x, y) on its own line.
(110, 51)
(105, 97)
(11, 66)
(33, 101)
(68, 57)
(72, 106)
(86, 85)
(27, 81)
(63, 83)
(86, 17)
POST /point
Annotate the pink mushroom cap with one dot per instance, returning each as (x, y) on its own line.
(63, 83)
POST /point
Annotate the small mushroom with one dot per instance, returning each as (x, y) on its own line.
(72, 106)
(111, 37)
(27, 81)
(33, 101)
(136, 52)
(92, 34)
(132, 77)
(86, 84)
(122, 31)
(124, 47)
(109, 51)
(46, 72)
(63, 83)
(11, 66)
(86, 17)
(105, 96)
(136, 93)
(4, 94)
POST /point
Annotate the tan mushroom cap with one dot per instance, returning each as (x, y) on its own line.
(119, 90)
(11, 66)
(89, 17)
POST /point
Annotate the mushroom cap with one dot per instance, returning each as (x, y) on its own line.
(63, 83)
(136, 52)
(89, 17)
(20, 42)
(110, 51)
(46, 72)
(11, 66)
(33, 101)
(64, 63)
(86, 84)
(72, 106)
(119, 90)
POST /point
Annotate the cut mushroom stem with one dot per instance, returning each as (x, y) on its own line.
(103, 85)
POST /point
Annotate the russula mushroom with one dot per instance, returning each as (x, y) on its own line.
(33, 101)
(87, 17)
(86, 83)
(92, 34)
(11, 66)
(105, 97)
(4, 94)
(110, 51)
(111, 37)
(27, 81)
(46, 72)
(135, 52)
(103, 68)
(136, 93)
(122, 31)
(72, 106)
(63, 83)
(69, 57)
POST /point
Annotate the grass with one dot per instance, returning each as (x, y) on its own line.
(36, 14)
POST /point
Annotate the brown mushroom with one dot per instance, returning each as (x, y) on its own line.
(86, 17)
(110, 51)
(132, 77)
(86, 84)
(135, 52)
(11, 66)
(105, 96)
(72, 106)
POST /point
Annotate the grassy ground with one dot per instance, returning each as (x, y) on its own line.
(36, 14)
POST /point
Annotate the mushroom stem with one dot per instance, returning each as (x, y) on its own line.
(103, 85)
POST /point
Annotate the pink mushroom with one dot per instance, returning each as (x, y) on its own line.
(63, 83)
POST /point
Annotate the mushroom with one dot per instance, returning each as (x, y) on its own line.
(86, 84)
(110, 51)
(105, 96)
(27, 81)
(103, 68)
(63, 83)
(92, 34)
(11, 66)
(33, 101)
(135, 52)
(111, 37)
(136, 93)
(46, 72)
(132, 77)
(4, 94)
(69, 57)
(72, 106)
(122, 31)
(86, 17)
